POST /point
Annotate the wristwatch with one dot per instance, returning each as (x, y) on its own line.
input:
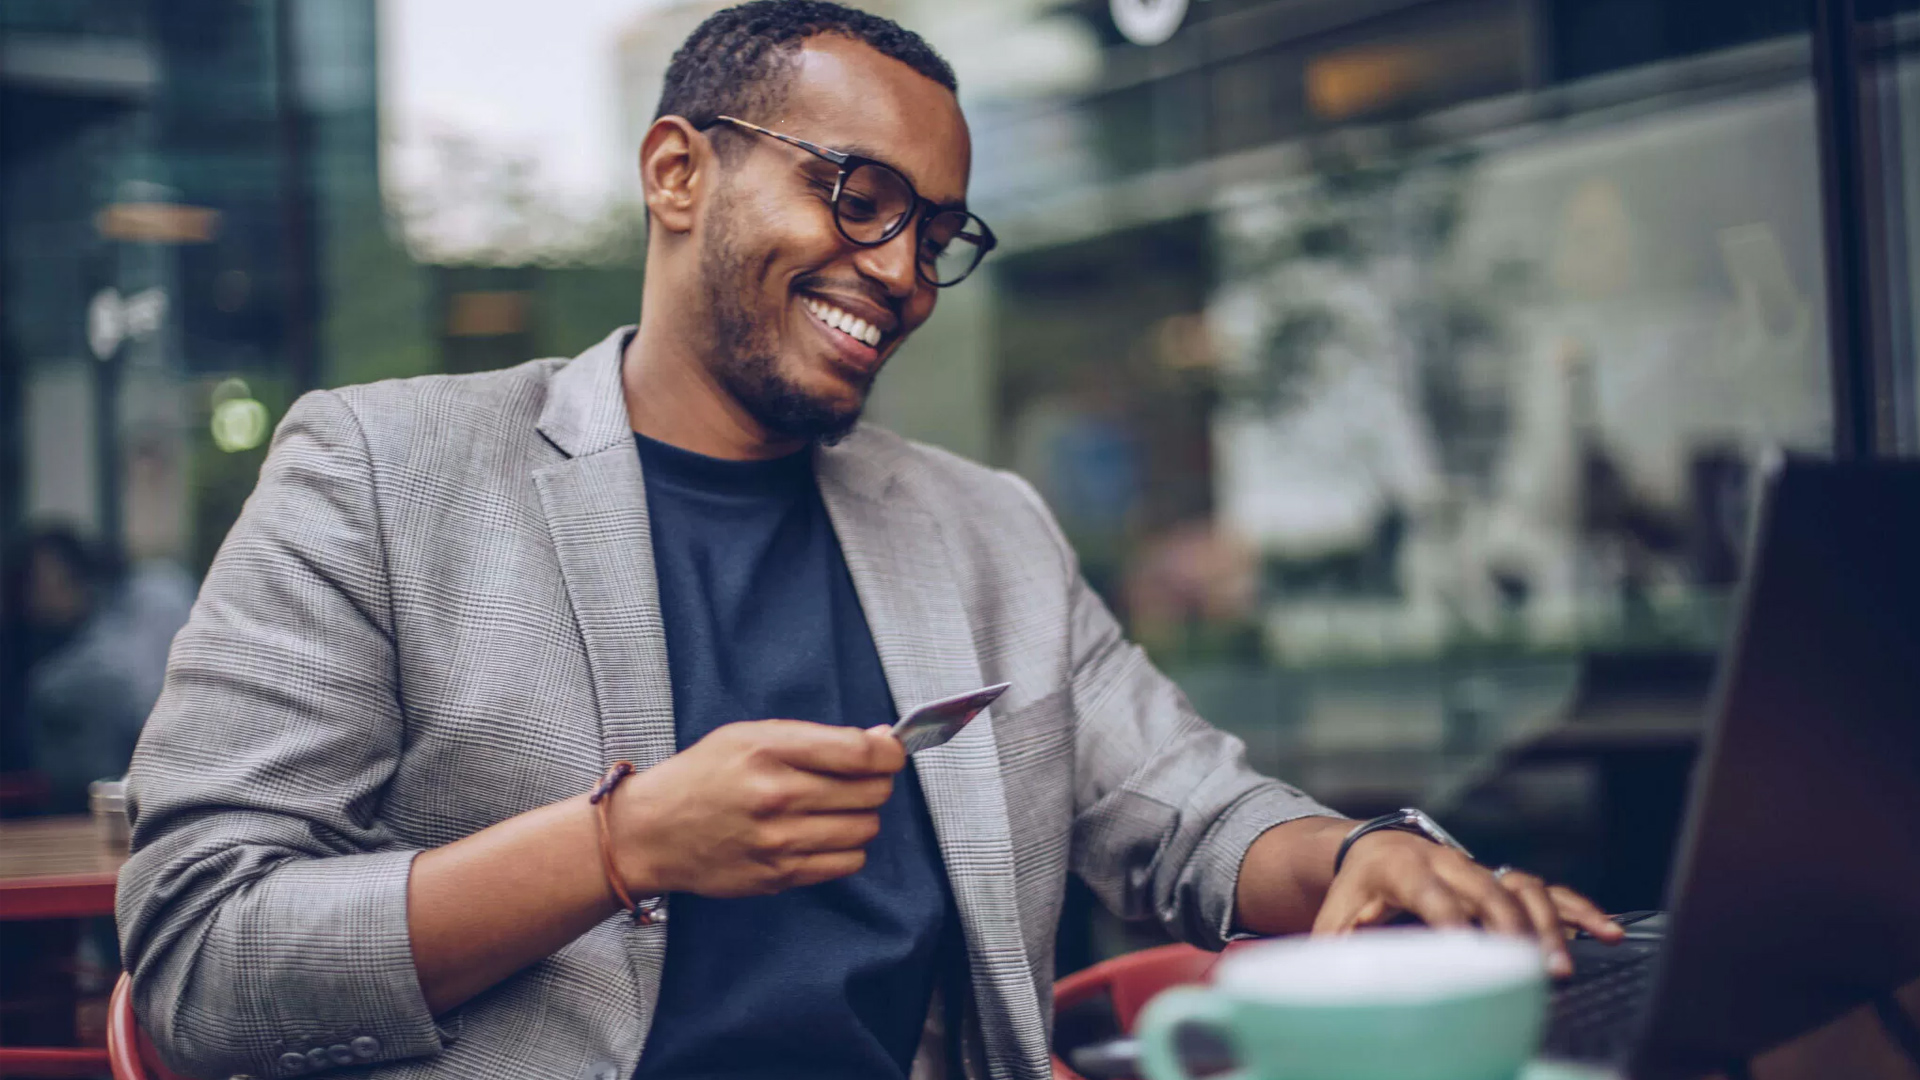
(1406, 820)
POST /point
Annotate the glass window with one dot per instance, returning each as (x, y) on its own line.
(1885, 145)
(1397, 370)
(1400, 378)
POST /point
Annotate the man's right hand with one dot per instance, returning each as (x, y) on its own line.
(755, 808)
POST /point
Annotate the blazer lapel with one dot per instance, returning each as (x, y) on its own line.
(596, 509)
(903, 575)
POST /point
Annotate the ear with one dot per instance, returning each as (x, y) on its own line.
(676, 163)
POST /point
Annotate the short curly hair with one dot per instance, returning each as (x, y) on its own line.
(738, 61)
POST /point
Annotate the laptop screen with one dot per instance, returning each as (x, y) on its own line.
(1796, 894)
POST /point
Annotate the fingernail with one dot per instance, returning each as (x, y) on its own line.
(1559, 964)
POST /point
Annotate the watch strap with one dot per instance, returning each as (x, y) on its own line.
(1404, 820)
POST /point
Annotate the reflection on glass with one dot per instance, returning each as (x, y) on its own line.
(1889, 89)
(1402, 384)
(1397, 374)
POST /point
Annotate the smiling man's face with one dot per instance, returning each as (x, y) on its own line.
(781, 279)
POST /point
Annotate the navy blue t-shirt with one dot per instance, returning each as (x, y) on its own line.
(762, 622)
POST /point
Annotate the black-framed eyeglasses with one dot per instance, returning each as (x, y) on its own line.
(873, 203)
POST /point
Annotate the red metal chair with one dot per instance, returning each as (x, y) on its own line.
(129, 1052)
(1128, 982)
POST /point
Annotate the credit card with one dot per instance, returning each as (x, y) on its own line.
(932, 724)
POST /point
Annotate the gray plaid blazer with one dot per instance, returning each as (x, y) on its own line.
(438, 610)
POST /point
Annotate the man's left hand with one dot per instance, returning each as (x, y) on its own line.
(1387, 873)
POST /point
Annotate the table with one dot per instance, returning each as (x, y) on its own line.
(54, 868)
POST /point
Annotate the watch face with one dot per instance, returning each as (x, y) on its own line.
(1420, 821)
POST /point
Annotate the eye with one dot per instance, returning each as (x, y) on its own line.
(856, 205)
(940, 232)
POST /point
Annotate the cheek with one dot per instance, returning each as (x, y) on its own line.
(798, 237)
(919, 306)
(770, 240)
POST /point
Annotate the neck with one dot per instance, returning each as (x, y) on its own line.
(673, 396)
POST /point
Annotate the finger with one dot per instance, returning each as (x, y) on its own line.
(1337, 911)
(889, 755)
(1532, 894)
(826, 748)
(1376, 910)
(821, 833)
(827, 866)
(1493, 906)
(814, 793)
(1347, 908)
(1435, 902)
(1577, 910)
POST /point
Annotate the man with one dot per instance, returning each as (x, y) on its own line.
(97, 644)
(361, 815)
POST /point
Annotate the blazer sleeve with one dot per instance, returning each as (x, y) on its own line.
(1165, 806)
(263, 913)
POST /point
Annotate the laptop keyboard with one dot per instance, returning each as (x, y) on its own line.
(1595, 1013)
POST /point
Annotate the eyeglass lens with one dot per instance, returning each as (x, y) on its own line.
(874, 205)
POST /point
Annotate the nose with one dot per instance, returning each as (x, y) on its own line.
(891, 264)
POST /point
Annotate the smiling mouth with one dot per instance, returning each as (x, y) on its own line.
(845, 322)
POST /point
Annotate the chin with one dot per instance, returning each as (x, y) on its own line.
(831, 387)
(793, 409)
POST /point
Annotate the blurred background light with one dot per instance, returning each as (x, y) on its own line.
(239, 424)
(157, 223)
(1397, 369)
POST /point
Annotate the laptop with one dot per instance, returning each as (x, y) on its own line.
(1796, 881)
(1795, 895)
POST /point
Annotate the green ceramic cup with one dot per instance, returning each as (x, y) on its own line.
(1403, 1004)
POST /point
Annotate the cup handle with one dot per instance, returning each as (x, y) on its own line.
(1165, 1014)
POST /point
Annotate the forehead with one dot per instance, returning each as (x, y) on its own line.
(847, 96)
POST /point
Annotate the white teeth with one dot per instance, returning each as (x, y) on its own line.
(845, 322)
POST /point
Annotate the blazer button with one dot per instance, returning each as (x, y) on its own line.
(340, 1054)
(601, 1070)
(365, 1047)
(293, 1063)
(317, 1057)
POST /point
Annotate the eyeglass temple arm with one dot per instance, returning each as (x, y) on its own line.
(834, 156)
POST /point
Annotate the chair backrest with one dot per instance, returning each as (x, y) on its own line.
(1128, 983)
(129, 1052)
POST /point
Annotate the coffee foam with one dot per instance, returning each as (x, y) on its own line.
(1377, 966)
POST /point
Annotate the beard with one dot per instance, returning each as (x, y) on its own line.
(745, 357)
